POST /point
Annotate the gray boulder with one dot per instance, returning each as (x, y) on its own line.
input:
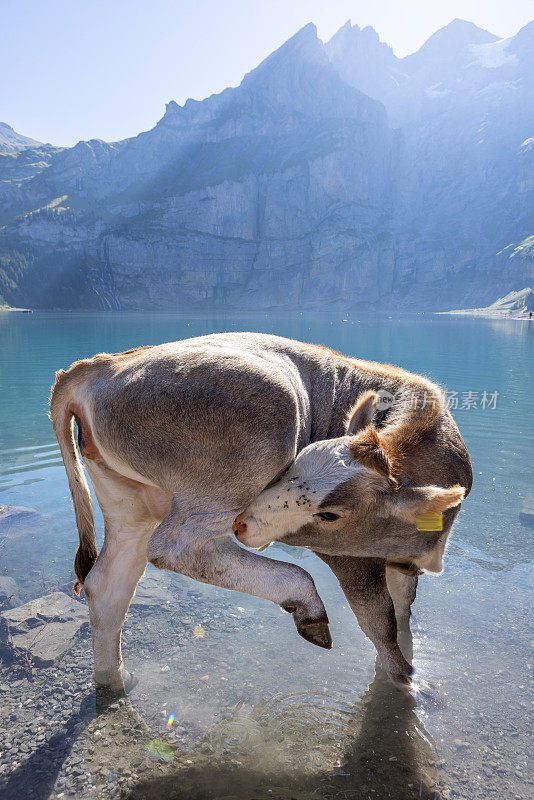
(45, 628)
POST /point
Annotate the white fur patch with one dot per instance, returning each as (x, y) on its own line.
(292, 502)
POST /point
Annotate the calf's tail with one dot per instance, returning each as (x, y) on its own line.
(62, 416)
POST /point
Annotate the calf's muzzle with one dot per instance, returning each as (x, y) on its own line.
(239, 526)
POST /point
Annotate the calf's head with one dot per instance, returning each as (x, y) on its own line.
(346, 496)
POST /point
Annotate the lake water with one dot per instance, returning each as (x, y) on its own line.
(259, 713)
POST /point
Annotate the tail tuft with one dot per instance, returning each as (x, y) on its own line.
(84, 560)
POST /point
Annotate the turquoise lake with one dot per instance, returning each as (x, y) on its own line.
(299, 721)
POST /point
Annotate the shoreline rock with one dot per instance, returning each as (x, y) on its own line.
(45, 628)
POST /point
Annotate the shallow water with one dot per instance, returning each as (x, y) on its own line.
(258, 711)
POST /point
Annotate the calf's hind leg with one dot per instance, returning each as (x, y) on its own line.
(111, 583)
(200, 546)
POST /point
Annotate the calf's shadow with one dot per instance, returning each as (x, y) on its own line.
(378, 748)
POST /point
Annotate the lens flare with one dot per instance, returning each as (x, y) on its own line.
(171, 719)
(160, 750)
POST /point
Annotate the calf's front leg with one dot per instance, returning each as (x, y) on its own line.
(200, 546)
(363, 581)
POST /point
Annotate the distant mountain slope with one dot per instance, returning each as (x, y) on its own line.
(465, 105)
(334, 175)
(516, 305)
(11, 141)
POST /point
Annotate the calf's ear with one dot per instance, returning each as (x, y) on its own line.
(409, 504)
(361, 415)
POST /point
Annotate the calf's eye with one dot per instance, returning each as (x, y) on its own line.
(328, 516)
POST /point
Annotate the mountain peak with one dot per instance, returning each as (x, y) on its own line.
(11, 141)
(299, 78)
(461, 24)
(363, 61)
(355, 34)
(444, 57)
(308, 31)
(355, 42)
(458, 34)
(305, 43)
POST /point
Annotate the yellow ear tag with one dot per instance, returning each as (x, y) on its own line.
(431, 521)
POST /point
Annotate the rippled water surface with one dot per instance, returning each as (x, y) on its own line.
(258, 712)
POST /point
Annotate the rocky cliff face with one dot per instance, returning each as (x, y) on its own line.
(334, 175)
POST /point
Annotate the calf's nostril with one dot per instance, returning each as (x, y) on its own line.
(239, 525)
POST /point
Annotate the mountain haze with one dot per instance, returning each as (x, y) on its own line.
(335, 175)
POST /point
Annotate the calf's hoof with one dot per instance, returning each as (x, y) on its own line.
(312, 623)
(116, 680)
(401, 680)
(316, 632)
(404, 678)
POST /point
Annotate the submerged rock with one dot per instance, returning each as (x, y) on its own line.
(9, 596)
(44, 628)
(17, 521)
(25, 535)
(151, 592)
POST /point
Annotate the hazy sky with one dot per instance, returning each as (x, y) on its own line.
(75, 70)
